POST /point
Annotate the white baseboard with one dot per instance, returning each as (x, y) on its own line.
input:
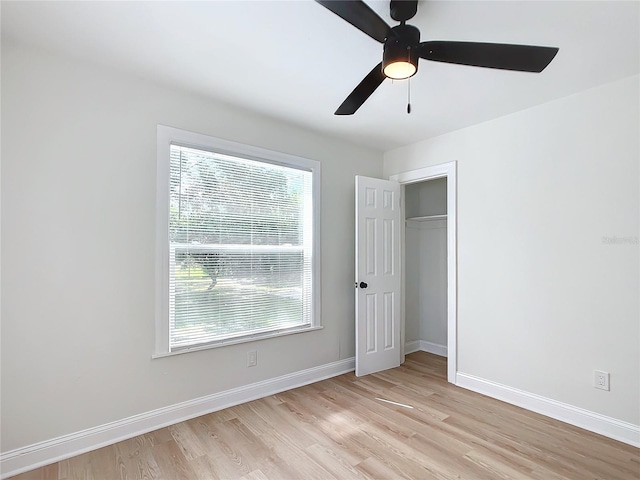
(421, 345)
(609, 427)
(50, 451)
(440, 350)
(411, 347)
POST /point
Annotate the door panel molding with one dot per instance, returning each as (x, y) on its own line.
(378, 275)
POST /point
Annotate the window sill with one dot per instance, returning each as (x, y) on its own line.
(234, 341)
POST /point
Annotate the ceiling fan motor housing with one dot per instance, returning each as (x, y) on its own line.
(403, 10)
(402, 46)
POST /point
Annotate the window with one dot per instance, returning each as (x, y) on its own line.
(237, 246)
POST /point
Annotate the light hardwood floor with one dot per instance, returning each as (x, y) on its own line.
(340, 428)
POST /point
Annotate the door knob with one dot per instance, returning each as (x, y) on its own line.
(363, 285)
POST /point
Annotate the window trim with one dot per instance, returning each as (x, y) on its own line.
(167, 136)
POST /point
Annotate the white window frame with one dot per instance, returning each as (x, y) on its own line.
(167, 136)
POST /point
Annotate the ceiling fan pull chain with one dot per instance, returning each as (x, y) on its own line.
(408, 96)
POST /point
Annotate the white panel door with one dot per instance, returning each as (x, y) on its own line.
(378, 222)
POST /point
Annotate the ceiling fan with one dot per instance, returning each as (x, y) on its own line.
(402, 49)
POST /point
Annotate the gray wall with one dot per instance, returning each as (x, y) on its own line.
(548, 257)
(426, 198)
(78, 219)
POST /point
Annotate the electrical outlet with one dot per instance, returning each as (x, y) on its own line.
(601, 380)
(252, 358)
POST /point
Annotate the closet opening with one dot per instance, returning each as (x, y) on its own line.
(429, 262)
(425, 291)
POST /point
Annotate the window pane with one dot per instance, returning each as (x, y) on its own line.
(240, 246)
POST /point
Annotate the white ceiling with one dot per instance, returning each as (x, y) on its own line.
(296, 61)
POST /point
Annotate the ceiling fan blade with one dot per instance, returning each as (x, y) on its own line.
(523, 58)
(363, 91)
(360, 15)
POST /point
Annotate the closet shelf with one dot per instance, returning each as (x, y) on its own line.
(427, 218)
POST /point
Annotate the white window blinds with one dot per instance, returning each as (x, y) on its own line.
(240, 247)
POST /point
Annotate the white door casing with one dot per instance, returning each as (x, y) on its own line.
(448, 171)
(378, 313)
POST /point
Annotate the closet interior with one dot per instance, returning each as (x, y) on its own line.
(426, 266)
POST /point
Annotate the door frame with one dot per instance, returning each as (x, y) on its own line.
(448, 171)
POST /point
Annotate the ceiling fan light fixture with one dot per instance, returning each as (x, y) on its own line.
(400, 56)
(400, 70)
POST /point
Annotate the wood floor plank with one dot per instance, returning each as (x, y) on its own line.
(188, 440)
(50, 472)
(334, 462)
(295, 462)
(255, 475)
(171, 462)
(374, 468)
(349, 427)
